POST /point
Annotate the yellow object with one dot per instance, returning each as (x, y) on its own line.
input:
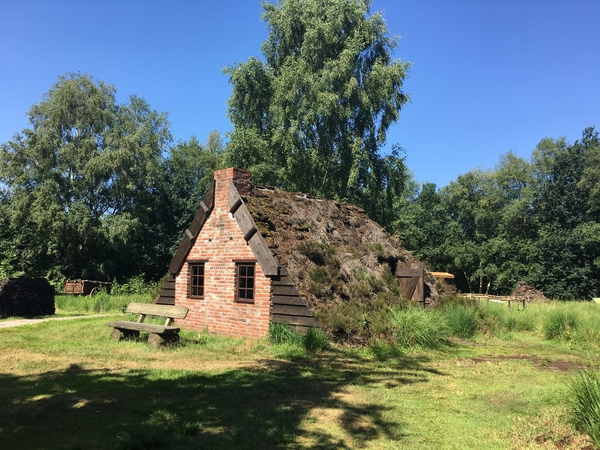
(441, 275)
(597, 300)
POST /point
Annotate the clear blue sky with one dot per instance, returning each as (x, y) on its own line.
(489, 76)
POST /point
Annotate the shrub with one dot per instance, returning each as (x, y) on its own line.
(383, 350)
(315, 340)
(135, 285)
(584, 401)
(419, 327)
(462, 320)
(560, 324)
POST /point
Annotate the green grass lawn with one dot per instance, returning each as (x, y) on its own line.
(66, 385)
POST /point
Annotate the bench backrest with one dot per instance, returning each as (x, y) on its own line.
(151, 309)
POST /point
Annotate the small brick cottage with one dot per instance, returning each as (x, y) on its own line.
(231, 268)
(224, 272)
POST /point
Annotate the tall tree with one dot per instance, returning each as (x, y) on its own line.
(78, 181)
(568, 244)
(314, 113)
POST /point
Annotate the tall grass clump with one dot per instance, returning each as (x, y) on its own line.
(315, 340)
(462, 320)
(561, 323)
(584, 401)
(415, 327)
(281, 334)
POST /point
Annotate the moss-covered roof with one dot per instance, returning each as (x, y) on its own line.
(331, 250)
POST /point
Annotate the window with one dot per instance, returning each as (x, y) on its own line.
(196, 280)
(245, 282)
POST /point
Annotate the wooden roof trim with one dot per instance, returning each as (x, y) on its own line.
(261, 250)
(191, 233)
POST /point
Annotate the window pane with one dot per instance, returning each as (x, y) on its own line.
(196, 280)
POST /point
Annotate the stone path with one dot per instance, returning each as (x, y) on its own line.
(21, 322)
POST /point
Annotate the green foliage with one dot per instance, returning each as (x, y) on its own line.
(383, 349)
(462, 321)
(136, 285)
(536, 220)
(79, 183)
(99, 303)
(560, 324)
(280, 333)
(313, 115)
(315, 340)
(584, 401)
(419, 327)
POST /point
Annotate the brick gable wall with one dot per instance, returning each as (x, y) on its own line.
(220, 244)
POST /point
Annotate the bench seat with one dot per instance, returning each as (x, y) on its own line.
(159, 334)
(144, 327)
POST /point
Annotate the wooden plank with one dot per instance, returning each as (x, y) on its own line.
(180, 255)
(244, 219)
(194, 228)
(197, 223)
(264, 256)
(282, 280)
(209, 197)
(296, 320)
(152, 309)
(169, 285)
(203, 207)
(236, 206)
(409, 273)
(408, 286)
(251, 232)
(288, 300)
(292, 310)
(165, 300)
(189, 234)
(268, 263)
(145, 327)
(285, 290)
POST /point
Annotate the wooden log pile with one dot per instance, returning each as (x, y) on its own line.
(26, 296)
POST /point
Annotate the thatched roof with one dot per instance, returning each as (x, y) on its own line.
(331, 250)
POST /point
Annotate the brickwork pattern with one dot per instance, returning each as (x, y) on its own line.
(221, 244)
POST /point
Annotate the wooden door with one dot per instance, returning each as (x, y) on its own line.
(410, 279)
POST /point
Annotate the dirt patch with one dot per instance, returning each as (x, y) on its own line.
(565, 366)
(559, 366)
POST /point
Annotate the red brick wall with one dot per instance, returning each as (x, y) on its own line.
(221, 243)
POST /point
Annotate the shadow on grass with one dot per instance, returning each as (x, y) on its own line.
(260, 407)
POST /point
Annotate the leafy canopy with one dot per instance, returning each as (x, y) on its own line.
(313, 114)
(78, 183)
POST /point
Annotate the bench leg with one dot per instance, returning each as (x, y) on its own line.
(119, 335)
(158, 340)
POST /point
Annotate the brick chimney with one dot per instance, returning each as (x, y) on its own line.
(241, 180)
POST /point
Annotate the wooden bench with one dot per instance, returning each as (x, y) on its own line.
(159, 334)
